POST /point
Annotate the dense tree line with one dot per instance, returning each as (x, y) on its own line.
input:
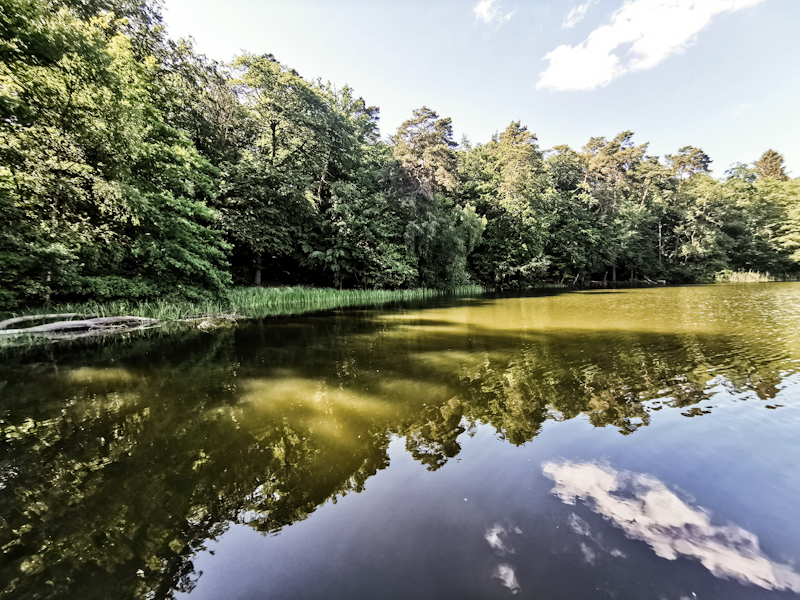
(133, 167)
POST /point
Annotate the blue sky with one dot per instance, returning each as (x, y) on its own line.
(722, 75)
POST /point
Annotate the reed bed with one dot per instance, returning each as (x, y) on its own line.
(729, 276)
(261, 302)
(248, 302)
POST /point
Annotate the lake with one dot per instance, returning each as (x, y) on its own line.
(614, 443)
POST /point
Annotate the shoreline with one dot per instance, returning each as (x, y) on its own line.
(91, 319)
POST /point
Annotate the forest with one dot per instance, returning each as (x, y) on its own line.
(133, 167)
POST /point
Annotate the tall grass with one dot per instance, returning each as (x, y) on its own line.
(249, 302)
(728, 276)
(261, 302)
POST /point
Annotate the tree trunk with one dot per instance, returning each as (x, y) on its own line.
(257, 278)
(659, 242)
(274, 127)
(322, 179)
(614, 274)
(96, 324)
(605, 277)
(5, 324)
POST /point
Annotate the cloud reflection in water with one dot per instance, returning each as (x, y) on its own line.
(497, 537)
(505, 573)
(646, 510)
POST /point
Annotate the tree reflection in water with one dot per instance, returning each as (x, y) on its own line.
(120, 459)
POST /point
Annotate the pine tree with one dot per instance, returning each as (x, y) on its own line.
(770, 166)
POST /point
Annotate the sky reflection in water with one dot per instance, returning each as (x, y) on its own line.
(647, 510)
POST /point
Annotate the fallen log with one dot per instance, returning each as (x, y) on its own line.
(84, 325)
(62, 316)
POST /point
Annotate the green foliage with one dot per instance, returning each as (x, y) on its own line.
(689, 161)
(260, 302)
(96, 184)
(133, 167)
(787, 195)
(194, 95)
(439, 233)
(364, 240)
(247, 302)
(515, 197)
(268, 204)
(770, 166)
(424, 147)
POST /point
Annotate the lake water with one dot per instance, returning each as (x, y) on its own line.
(619, 444)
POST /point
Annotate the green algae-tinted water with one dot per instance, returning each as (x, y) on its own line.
(599, 444)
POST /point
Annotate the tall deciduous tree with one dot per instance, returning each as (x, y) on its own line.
(80, 152)
(268, 201)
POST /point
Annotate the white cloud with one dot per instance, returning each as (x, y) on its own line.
(640, 35)
(576, 14)
(647, 510)
(489, 15)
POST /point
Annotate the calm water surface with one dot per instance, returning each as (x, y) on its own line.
(599, 444)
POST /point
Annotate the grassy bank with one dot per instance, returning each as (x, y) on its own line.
(248, 302)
